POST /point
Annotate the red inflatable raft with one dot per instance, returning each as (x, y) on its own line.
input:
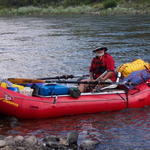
(28, 107)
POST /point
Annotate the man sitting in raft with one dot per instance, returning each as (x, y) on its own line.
(102, 69)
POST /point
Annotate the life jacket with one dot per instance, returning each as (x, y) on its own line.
(99, 66)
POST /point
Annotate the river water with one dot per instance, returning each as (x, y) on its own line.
(32, 47)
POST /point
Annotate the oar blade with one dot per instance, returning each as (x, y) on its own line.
(24, 80)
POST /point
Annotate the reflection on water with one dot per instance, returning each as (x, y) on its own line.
(47, 46)
(127, 128)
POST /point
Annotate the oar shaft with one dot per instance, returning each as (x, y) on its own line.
(62, 77)
(73, 82)
(57, 77)
(90, 82)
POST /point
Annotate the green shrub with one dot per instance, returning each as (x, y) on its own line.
(67, 3)
(109, 4)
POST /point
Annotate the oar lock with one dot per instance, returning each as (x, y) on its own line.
(148, 83)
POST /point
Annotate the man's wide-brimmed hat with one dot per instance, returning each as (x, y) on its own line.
(100, 48)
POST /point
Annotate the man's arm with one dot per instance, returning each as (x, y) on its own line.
(108, 75)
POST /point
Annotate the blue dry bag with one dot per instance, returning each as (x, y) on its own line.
(137, 77)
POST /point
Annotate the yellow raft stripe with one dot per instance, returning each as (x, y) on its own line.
(9, 102)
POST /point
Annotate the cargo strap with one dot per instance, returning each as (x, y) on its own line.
(126, 99)
(55, 100)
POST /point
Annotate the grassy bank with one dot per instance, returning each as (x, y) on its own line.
(108, 7)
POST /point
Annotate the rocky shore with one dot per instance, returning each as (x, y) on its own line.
(49, 142)
(70, 142)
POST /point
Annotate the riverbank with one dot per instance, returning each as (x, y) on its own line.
(101, 9)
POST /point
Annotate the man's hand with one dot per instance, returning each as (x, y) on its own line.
(101, 79)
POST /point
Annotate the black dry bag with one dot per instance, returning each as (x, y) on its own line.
(74, 92)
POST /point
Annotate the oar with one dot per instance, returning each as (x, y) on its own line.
(90, 82)
(62, 77)
(41, 80)
(25, 81)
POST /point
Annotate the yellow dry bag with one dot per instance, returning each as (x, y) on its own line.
(130, 67)
(3, 84)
